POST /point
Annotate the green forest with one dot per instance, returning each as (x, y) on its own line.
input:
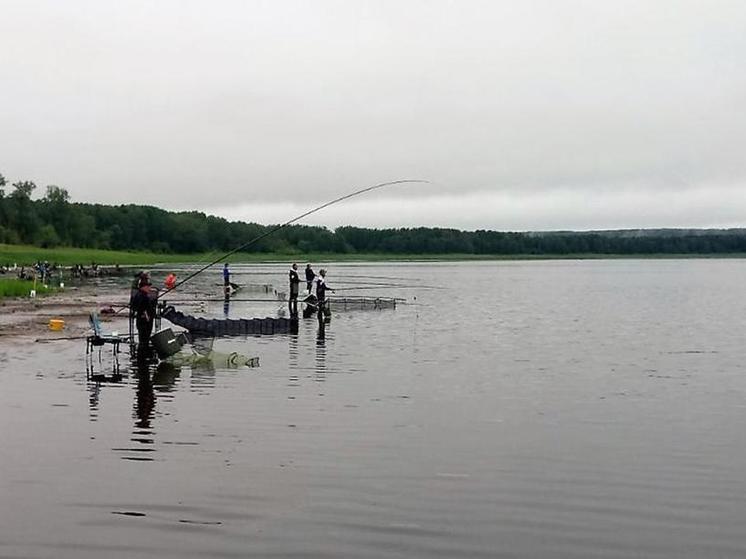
(53, 220)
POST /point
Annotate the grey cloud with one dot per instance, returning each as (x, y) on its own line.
(180, 104)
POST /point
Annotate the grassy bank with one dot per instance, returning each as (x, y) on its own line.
(21, 288)
(23, 255)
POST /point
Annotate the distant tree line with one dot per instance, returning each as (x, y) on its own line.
(53, 220)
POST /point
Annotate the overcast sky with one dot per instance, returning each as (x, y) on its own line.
(533, 114)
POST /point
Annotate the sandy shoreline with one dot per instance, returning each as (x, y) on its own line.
(22, 316)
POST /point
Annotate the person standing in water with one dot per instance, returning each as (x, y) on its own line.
(321, 289)
(134, 288)
(309, 278)
(144, 307)
(226, 278)
(294, 289)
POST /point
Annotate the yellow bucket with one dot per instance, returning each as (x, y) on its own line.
(56, 324)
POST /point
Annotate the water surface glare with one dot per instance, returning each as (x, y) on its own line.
(510, 409)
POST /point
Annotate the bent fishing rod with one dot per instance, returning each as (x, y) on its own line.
(287, 223)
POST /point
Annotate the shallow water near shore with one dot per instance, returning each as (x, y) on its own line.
(508, 409)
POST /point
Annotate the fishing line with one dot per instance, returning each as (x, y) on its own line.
(376, 287)
(339, 281)
(290, 222)
(268, 301)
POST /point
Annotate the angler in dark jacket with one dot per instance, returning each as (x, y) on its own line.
(133, 291)
(321, 289)
(309, 278)
(144, 307)
(294, 289)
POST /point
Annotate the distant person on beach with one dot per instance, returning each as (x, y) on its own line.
(309, 278)
(294, 289)
(170, 281)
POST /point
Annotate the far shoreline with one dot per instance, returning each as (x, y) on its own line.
(23, 255)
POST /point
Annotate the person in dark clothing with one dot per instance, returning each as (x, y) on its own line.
(226, 278)
(294, 289)
(228, 286)
(143, 307)
(321, 289)
(135, 285)
(309, 278)
(133, 291)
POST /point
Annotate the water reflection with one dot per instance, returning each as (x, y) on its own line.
(321, 352)
(96, 371)
(227, 304)
(145, 397)
(293, 351)
(162, 379)
(154, 385)
(95, 376)
(151, 380)
(165, 376)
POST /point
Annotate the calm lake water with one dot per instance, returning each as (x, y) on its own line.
(510, 409)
